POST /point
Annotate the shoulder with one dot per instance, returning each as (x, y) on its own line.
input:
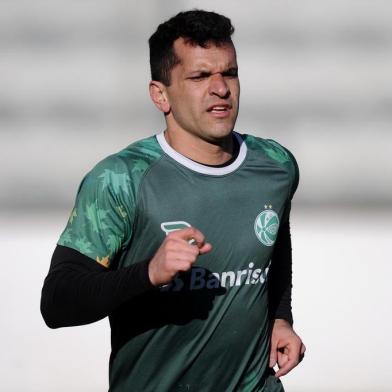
(275, 153)
(127, 166)
(134, 159)
(270, 148)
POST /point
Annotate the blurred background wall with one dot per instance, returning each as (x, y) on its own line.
(315, 76)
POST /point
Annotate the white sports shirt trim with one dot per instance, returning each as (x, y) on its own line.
(197, 167)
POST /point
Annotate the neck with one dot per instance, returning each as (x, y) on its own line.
(205, 152)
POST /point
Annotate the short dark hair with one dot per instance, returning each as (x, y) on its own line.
(197, 27)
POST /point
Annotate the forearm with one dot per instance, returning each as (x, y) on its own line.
(280, 277)
(79, 291)
(281, 306)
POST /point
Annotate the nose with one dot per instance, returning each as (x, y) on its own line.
(218, 86)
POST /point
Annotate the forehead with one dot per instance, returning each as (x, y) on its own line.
(212, 57)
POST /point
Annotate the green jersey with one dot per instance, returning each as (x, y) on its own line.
(209, 329)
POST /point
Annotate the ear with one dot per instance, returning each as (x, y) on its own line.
(159, 96)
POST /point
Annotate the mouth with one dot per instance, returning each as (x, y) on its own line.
(221, 110)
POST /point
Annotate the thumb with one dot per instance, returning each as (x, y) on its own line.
(205, 248)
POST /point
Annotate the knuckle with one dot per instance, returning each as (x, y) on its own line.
(200, 235)
(196, 232)
(171, 236)
(170, 244)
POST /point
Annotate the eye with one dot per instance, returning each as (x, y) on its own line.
(199, 77)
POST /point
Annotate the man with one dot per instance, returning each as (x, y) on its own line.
(183, 238)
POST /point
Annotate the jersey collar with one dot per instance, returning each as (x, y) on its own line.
(198, 167)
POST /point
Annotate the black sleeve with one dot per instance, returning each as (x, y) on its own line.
(78, 290)
(280, 277)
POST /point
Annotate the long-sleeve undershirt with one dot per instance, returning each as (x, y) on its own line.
(78, 290)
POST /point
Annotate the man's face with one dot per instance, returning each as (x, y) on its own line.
(204, 90)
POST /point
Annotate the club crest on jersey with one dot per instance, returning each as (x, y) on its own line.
(267, 226)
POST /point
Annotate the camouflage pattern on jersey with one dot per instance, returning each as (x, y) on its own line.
(276, 152)
(100, 224)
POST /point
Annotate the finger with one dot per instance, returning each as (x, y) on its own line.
(292, 361)
(207, 247)
(273, 354)
(178, 245)
(183, 265)
(273, 359)
(284, 369)
(174, 258)
(189, 233)
(282, 359)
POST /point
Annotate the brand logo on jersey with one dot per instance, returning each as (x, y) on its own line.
(267, 226)
(198, 278)
(168, 227)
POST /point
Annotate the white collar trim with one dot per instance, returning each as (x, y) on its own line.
(198, 167)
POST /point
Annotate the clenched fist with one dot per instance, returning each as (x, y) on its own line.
(176, 254)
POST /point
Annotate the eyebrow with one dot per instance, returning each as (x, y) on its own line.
(232, 71)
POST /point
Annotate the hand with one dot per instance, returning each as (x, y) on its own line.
(287, 349)
(176, 254)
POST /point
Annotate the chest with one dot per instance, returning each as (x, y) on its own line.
(239, 214)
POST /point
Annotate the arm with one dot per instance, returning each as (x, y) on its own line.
(287, 349)
(280, 277)
(79, 291)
